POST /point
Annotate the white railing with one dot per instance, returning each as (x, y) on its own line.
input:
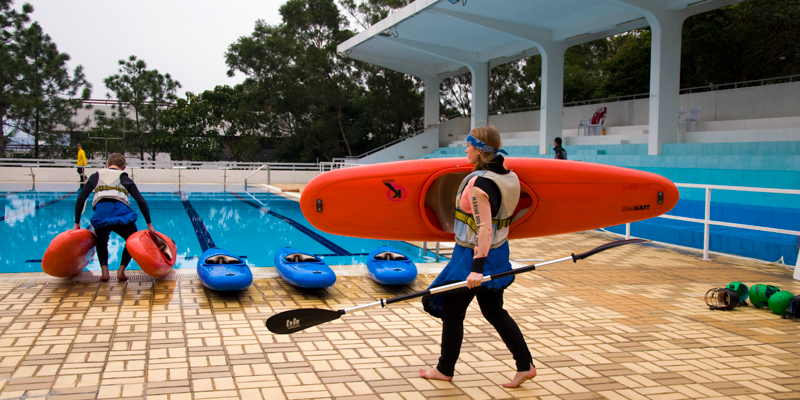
(392, 143)
(254, 172)
(321, 166)
(336, 164)
(707, 221)
(136, 163)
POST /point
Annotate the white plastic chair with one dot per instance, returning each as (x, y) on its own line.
(691, 117)
(596, 121)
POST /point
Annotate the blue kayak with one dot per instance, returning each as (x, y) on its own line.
(221, 271)
(302, 269)
(389, 266)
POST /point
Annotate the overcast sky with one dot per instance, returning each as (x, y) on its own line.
(185, 38)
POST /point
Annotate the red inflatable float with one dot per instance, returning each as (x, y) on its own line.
(154, 252)
(69, 253)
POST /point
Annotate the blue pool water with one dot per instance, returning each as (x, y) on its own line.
(251, 225)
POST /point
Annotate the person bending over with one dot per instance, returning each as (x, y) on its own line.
(484, 207)
(112, 212)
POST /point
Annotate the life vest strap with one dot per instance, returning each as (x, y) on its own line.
(117, 188)
(469, 220)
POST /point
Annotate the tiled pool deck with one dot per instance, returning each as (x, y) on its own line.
(629, 323)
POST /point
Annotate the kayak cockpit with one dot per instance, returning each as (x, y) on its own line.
(440, 201)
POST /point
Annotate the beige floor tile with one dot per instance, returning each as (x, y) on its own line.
(629, 323)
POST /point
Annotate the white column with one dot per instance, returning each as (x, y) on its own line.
(552, 112)
(665, 75)
(797, 268)
(480, 94)
(431, 100)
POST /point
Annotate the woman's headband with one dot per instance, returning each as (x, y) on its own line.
(483, 146)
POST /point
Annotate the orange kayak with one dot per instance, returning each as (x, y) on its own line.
(68, 253)
(414, 200)
(154, 252)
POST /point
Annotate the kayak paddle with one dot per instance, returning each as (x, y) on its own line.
(291, 321)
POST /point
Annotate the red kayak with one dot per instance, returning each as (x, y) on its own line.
(154, 252)
(69, 252)
(414, 200)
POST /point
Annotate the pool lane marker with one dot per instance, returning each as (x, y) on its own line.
(197, 223)
(7, 194)
(336, 249)
(38, 206)
(336, 255)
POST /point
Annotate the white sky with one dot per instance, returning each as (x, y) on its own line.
(185, 38)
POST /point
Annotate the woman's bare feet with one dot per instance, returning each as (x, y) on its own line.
(121, 273)
(521, 377)
(105, 276)
(433, 373)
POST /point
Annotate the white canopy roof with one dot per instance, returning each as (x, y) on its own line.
(437, 37)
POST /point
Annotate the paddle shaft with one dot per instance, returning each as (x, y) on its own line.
(487, 278)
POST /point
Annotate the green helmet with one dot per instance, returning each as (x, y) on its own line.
(769, 290)
(760, 294)
(755, 299)
(779, 302)
(739, 288)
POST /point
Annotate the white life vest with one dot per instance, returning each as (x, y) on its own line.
(466, 229)
(109, 187)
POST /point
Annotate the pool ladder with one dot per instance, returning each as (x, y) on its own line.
(448, 251)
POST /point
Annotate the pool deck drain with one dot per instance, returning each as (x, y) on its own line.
(629, 323)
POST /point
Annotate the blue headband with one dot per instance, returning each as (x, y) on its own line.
(483, 146)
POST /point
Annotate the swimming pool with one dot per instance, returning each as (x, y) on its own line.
(251, 225)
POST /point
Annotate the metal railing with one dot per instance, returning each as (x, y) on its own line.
(112, 102)
(392, 143)
(696, 89)
(336, 164)
(321, 166)
(707, 221)
(136, 163)
(254, 172)
(736, 85)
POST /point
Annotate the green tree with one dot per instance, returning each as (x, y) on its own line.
(308, 85)
(324, 105)
(746, 41)
(12, 23)
(161, 93)
(626, 70)
(145, 94)
(366, 13)
(108, 134)
(47, 95)
(226, 120)
(192, 139)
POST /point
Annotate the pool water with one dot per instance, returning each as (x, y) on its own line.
(251, 225)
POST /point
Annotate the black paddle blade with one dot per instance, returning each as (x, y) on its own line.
(576, 257)
(296, 320)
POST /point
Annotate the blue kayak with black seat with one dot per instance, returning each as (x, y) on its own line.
(222, 271)
(389, 266)
(303, 269)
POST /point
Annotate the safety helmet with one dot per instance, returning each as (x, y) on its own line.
(760, 294)
(722, 299)
(779, 302)
(739, 288)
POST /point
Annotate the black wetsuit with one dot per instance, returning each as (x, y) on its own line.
(103, 232)
(455, 304)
